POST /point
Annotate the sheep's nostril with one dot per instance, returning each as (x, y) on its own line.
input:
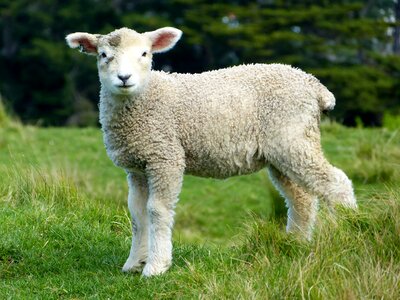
(124, 78)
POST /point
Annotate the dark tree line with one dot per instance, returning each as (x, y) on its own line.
(352, 46)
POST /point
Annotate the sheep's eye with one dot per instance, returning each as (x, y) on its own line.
(103, 54)
(144, 54)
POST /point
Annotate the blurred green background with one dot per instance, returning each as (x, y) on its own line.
(351, 46)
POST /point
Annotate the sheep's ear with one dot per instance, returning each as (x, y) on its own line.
(86, 42)
(163, 39)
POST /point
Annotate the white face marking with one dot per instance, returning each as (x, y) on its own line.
(124, 70)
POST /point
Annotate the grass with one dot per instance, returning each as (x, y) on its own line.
(4, 119)
(65, 233)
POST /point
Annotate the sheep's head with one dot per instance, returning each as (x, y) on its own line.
(124, 56)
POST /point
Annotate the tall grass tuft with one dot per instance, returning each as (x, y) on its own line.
(391, 121)
(4, 119)
(34, 187)
(377, 157)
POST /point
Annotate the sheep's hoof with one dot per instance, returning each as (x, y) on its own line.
(153, 270)
(133, 266)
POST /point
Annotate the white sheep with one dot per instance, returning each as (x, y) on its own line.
(159, 126)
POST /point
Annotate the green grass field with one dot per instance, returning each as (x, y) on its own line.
(65, 232)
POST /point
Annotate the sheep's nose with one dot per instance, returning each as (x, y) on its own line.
(124, 78)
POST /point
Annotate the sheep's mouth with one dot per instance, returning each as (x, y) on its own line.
(125, 86)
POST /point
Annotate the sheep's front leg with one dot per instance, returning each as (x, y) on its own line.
(165, 184)
(137, 202)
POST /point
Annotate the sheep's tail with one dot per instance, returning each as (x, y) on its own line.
(325, 98)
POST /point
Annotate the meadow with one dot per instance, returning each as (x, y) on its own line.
(65, 230)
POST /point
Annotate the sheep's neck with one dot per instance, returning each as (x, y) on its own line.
(113, 107)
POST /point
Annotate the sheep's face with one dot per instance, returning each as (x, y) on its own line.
(124, 57)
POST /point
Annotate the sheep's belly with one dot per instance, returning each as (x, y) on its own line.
(224, 167)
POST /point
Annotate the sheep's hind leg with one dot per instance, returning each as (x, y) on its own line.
(165, 184)
(327, 182)
(302, 206)
(137, 202)
(304, 163)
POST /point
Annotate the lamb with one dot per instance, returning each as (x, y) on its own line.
(158, 126)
